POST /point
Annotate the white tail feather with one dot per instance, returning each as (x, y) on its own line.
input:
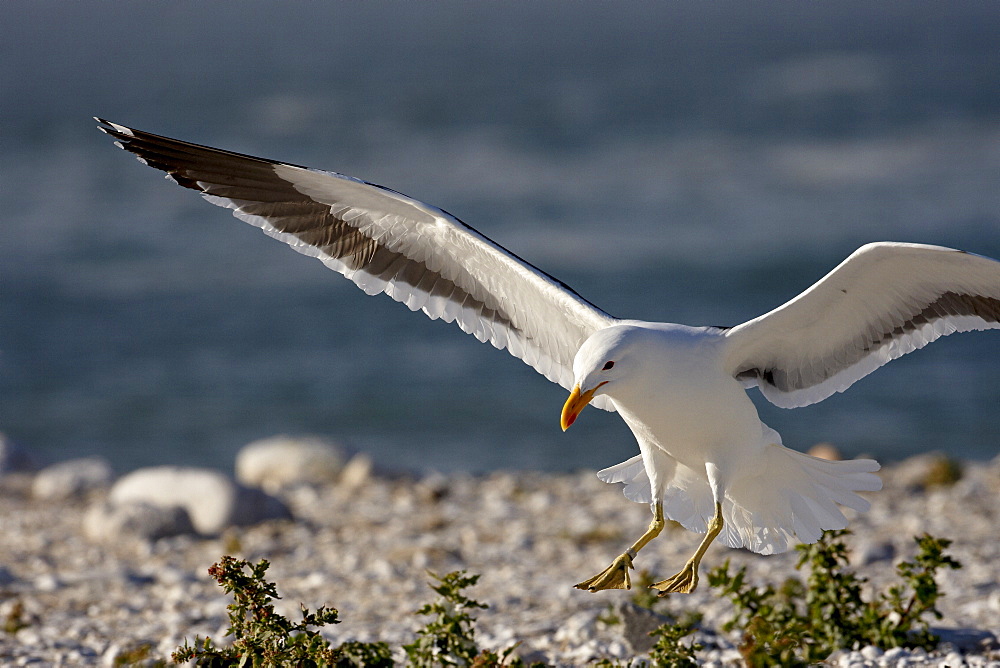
(791, 498)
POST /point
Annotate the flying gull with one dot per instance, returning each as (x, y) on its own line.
(706, 460)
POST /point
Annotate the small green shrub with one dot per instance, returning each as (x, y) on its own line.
(138, 656)
(366, 654)
(16, 618)
(799, 623)
(943, 471)
(669, 651)
(448, 639)
(795, 624)
(265, 638)
(262, 637)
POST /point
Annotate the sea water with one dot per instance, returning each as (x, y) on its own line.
(691, 162)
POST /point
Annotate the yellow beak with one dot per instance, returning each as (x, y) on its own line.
(576, 403)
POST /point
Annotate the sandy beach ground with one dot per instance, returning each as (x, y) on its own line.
(365, 549)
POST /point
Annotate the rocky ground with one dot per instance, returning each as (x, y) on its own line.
(364, 544)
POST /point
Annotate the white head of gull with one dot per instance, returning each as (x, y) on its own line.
(706, 460)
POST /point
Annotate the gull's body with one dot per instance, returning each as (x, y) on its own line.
(687, 377)
(706, 460)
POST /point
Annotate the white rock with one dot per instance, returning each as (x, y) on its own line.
(274, 463)
(357, 471)
(871, 652)
(71, 479)
(895, 654)
(212, 500)
(32, 637)
(838, 656)
(578, 628)
(108, 522)
(111, 655)
(953, 660)
(48, 582)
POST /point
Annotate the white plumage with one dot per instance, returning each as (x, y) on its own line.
(706, 459)
(885, 300)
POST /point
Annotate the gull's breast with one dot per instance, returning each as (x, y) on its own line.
(694, 417)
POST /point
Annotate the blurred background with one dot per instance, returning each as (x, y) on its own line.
(689, 161)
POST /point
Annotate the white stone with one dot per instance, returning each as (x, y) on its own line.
(48, 582)
(837, 655)
(953, 660)
(71, 479)
(357, 471)
(211, 499)
(871, 652)
(579, 627)
(108, 522)
(895, 654)
(274, 463)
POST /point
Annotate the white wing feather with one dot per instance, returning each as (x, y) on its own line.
(387, 242)
(885, 300)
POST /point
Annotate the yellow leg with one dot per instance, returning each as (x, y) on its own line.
(616, 575)
(686, 581)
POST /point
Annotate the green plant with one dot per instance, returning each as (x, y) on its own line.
(138, 656)
(802, 623)
(943, 471)
(265, 638)
(796, 624)
(15, 619)
(669, 651)
(262, 637)
(448, 639)
(366, 654)
(918, 595)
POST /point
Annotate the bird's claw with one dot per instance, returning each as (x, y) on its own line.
(684, 582)
(614, 576)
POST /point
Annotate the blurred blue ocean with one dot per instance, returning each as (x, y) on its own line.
(693, 162)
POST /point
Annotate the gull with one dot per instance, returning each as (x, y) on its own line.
(705, 458)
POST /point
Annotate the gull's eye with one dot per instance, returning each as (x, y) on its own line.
(607, 365)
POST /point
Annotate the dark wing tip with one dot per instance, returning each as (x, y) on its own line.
(146, 144)
(122, 134)
(110, 128)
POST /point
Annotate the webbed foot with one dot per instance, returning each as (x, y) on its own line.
(684, 582)
(614, 576)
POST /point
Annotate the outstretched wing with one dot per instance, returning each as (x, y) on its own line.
(885, 300)
(387, 242)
